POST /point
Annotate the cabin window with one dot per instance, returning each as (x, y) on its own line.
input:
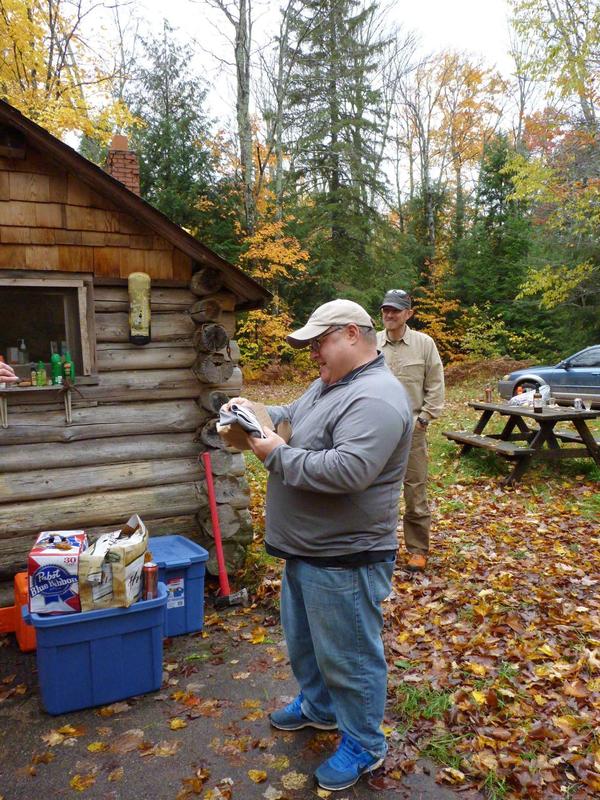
(39, 318)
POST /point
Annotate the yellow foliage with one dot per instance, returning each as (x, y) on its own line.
(271, 255)
(48, 73)
(554, 285)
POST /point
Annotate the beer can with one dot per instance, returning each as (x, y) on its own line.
(578, 404)
(150, 577)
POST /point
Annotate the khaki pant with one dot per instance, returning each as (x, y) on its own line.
(416, 520)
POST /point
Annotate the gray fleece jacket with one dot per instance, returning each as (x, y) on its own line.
(334, 488)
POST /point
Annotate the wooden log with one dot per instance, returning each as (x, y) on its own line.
(116, 299)
(163, 384)
(229, 321)
(121, 449)
(208, 434)
(103, 421)
(231, 490)
(212, 399)
(232, 386)
(206, 281)
(233, 552)
(105, 508)
(209, 337)
(225, 463)
(212, 368)
(208, 310)
(165, 327)
(231, 352)
(158, 355)
(229, 522)
(48, 483)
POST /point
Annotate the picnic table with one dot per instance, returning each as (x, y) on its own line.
(529, 436)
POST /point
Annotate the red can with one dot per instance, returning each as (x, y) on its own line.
(150, 576)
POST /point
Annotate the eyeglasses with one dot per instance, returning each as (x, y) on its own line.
(315, 344)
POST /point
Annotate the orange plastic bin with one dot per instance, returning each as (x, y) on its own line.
(11, 618)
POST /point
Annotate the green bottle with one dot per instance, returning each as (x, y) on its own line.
(41, 373)
(70, 371)
(56, 369)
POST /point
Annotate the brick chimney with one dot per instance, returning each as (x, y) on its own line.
(122, 163)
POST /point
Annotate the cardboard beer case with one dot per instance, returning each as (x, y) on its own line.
(52, 570)
(110, 571)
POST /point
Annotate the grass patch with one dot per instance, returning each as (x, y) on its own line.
(442, 749)
(495, 788)
(421, 702)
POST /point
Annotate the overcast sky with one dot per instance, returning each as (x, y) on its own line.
(479, 27)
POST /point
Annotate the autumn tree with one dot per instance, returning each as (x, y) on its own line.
(51, 71)
(568, 32)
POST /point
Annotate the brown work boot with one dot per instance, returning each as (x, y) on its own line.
(416, 562)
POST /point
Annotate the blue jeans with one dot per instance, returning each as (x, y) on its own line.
(332, 622)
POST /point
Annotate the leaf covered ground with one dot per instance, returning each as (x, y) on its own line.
(494, 654)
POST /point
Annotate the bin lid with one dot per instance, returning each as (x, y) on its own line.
(171, 552)
(54, 620)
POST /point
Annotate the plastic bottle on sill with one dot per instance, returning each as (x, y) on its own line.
(56, 369)
(41, 374)
(68, 372)
(23, 352)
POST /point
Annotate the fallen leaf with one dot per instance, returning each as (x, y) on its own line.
(98, 747)
(258, 635)
(257, 775)
(294, 780)
(82, 782)
(127, 742)
(450, 775)
(114, 708)
(177, 723)
(116, 774)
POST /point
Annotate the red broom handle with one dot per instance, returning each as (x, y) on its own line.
(212, 503)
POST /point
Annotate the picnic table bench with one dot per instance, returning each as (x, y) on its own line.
(528, 435)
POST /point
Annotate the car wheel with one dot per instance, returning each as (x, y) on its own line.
(526, 386)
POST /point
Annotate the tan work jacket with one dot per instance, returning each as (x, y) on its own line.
(416, 363)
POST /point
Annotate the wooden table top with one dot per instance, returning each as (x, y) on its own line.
(558, 413)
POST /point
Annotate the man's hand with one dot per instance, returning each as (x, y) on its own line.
(262, 447)
(239, 401)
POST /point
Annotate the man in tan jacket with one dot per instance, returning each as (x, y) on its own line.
(414, 359)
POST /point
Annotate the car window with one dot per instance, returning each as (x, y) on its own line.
(591, 358)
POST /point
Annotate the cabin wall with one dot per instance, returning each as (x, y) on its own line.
(52, 220)
(135, 436)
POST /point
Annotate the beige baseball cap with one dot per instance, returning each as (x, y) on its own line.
(336, 312)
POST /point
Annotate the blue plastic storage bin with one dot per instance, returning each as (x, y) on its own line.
(181, 565)
(98, 657)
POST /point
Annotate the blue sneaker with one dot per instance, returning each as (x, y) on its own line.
(346, 765)
(292, 718)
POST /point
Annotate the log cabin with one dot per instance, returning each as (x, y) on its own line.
(127, 437)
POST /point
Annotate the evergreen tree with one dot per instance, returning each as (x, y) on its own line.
(333, 119)
(177, 162)
(491, 258)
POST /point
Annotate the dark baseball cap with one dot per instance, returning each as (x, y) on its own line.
(397, 298)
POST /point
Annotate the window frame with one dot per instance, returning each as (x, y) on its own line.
(84, 286)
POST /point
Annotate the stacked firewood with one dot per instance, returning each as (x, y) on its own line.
(216, 368)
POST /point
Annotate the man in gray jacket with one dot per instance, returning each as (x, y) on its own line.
(332, 507)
